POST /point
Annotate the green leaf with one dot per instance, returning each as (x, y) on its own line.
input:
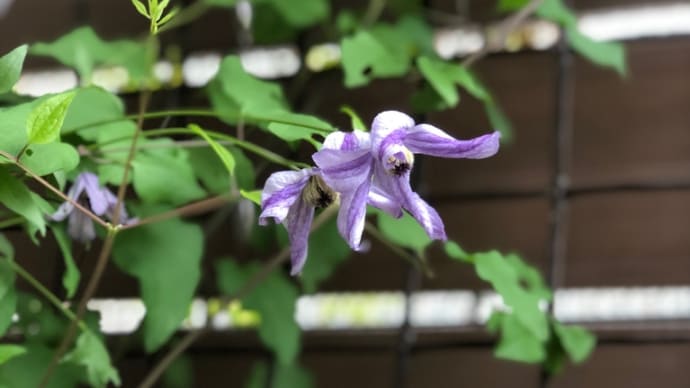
(44, 159)
(292, 126)
(606, 54)
(8, 352)
(6, 249)
(180, 374)
(8, 295)
(93, 105)
(165, 257)
(368, 54)
(221, 3)
(327, 250)
(404, 231)
(274, 299)
(518, 343)
(234, 93)
(558, 12)
(506, 280)
(45, 120)
(141, 8)
(92, 354)
(25, 370)
(11, 68)
(577, 341)
(17, 197)
(82, 50)
(254, 196)
(13, 129)
(300, 14)
(223, 154)
(165, 176)
(70, 279)
(454, 251)
(213, 174)
(355, 120)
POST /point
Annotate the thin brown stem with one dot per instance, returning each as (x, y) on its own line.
(504, 29)
(191, 209)
(193, 335)
(55, 190)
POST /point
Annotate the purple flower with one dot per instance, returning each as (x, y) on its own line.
(290, 198)
(376, 170)
(99, 199)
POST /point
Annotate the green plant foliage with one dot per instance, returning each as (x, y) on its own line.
(8, 296)
(92, 354)
(404, 231)
(11, 68)
(35, 314)
(165, 257)
(601, 53)
(91, 107)
(45, 159)
(355, 121)
(444, 77)
(8, 352)
(454, 251)
(223, 154)
(284, 376)
(507, 275)
(13, 128)
(254, 196)
(180, 374)
(274, 299)
(83, 50)
(517, 342)
(165, 175)
(70, 279)
(300, 14)
(326, 251)
(45, 120)
(577, 341)
(17, 197)
(214, 175)
(25, 370)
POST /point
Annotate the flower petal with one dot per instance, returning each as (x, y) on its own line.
(80, 227)
(280, 192)
(298, 224)
(98, 200)
(352, 214)
(398, 187)
(379, 199)
(429, 140)
(385, 123)
(347, 141)
(344, 171)
(66, 207)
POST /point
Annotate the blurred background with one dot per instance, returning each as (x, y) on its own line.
(593, 189)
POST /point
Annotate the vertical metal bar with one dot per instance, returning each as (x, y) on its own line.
(408, 335)
(562, 152)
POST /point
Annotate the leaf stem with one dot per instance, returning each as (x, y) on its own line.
(11, 222)
(415, 260)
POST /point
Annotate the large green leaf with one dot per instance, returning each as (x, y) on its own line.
(13, 136)
(92, 105)
(327, 250)
(82, 50)
(8, 296)
(11, 68)
(45, 120)
(517, 342)
(17, 197)
(367, 55)
(233, 92)
(300, 14)
(283, 376)
(26, 370)
(274, 299)
(213, 174)
(165, 176)
(223, 154)
(44, 159)
(165, 257)
(8, 352)
(91, 353)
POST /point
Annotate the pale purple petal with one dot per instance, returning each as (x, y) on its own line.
(385, 123)
(398, 187)
(98, 200)
(298, 224)
(347, 141)
(429, 140)
(344, 171)
(352, 214)
(280, 192)
(379, 199)
(66, 207)
(80, 227)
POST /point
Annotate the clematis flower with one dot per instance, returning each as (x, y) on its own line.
(290, 198)
(99, 199)
(377, 169)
